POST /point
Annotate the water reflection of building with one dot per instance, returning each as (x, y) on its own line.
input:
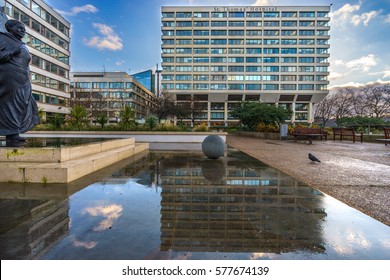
(246, 208)
(28, 227)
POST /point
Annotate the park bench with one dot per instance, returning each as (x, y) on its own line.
(309, 133)
(347, 132)
(387, 136)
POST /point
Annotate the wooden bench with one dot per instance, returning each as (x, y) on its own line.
(387, 136)
(347, 132)
(300, 133)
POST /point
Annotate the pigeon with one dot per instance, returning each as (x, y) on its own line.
(313, 158)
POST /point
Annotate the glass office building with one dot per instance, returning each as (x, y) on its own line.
(219, 56)
(109, 92)
(146, 78)
(47, 37)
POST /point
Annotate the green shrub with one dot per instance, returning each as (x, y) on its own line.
(201, 128)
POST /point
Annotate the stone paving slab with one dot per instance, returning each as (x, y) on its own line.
(357, 174)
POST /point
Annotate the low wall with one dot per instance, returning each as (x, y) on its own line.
(263, 135)
(139, 136)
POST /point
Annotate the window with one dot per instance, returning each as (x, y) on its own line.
(253, 23)
(201, 51)
(218, 41)
(168, 23)
(236, 51)
(253, 14)
(271, 69)
(236, 68)
(289, 41)
(270, 78)
(271, 59)
(271, 32)
(236, 59)
(306, 78)
(271, 14)
(168, 15)
(201, 42)
(218, 32)
(253, 60)
(168, 42)
(218, 23)
(306, 87)
(201, 33)
(307, 14)
(306, 41)
(218, 77)
(322, 33)
(322, 23)
(253, 78)
(322, 69)
(306, 32)
(306, 51)
(236, 23)
(201, 86)
(322, 42)
(236, 14)
(201, 77)
(218, 59)
(218, 68)
(288, 51)
(165, 78)
(253, 41)
(183, 86)
(236, 33)
(288, 59)
(236, 41)
(184, 14)
(167, 86)
(218, 14)
(183, 50)
(289, 23)
(322, 87)
(253, 68)
(321, 51)
(183, 59)
(289, 33)
(270, 87)
(321, 78)
(289, 14)
(201, 68)
(306, 60)
(218, 51)
(201, 14)
(99, 85)
(306, 68)
(288, 69)
(288, 78)
(183, 68)
(271, 23)
(183, 23)
(201, 60)
(201, 23)
(271, 41)
(307, 23)
(218, 86)
(322, 14)
(236, 86)
(235, 77)
(288, 87)
(253, 50)
(271, 50)
(183, 77)
(183, 32)
(116, 85)
(168, 33)
(253, 86)
(184, 42)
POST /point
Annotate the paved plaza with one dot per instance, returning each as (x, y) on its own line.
(357, 174)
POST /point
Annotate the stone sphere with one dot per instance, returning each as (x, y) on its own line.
(213, 146)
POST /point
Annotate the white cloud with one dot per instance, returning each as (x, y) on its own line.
(363, 64)
(343, 14)
(338, 62)
(110, 40)
(110, 213)
(387, 19)
(334, 75)
(365, 18)
(264, 3)
(82, 9)
(119, 63)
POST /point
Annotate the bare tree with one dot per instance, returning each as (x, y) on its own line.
(377, 99)
(343, 103)
(324, 111)
(162, 106)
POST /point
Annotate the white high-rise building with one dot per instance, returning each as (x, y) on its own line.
(219, 56)
(47, 37)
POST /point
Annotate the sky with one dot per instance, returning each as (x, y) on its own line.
(125, 35)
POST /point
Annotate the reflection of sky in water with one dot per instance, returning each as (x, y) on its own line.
(237, 208)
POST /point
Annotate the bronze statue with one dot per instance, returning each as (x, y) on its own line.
(18, 109)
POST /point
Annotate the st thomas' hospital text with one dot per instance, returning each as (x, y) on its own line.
(245, 9)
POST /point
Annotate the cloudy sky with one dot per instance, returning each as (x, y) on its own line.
(124, 35)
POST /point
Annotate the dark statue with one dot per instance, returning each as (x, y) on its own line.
(18, 109)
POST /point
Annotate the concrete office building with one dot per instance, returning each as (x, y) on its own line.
(109, 92)
(47, 37)
(219, 56)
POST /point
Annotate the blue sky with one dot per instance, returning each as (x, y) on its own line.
(125, 35)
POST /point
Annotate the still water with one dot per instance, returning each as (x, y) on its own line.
(184, 206)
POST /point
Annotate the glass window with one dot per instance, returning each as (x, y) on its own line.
(184, 42)
(270, 87)
(288, 69)
(236, 23)
(285, 78)
(306, 68)
(271, 50)
(253, 33)
(253, 68)
(306, 32)
(236, 86)
(306, 41)
(289, 14)
(271, 14)
(288, 87)
(253, 78)
(236, 41)
(218, 32)
(235, 77)
(271, 69)
(218, 50)
(183, 77)
(254, 23)
(253, 41)
(288, 51)
(183, 32)
(288, 59)
(253, 14)
(236, 68)
(253, 59)
(183, 86)
(218, 41)
(307, 78)
(168, 15)
(236, 59)
(271, 59)
(271, 41)
(201, 77)
(201, 50)
(201, 41)
(271, 32)
(322, 14)
(218, 14)
(306, 60)
(168, 23)
(307, 14)
(253, 86)
(201, 14)
(289, 33)
(289, 23)
(289, 41)
(201, 33)
(183, 14)
(271, 23)
(201, 23)
(306, 87)
(183, 23)
(236, 14)
(270, 77)
(306, 51)
(218, 23)
(253, 50)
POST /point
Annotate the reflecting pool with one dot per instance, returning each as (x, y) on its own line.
(165, 205)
